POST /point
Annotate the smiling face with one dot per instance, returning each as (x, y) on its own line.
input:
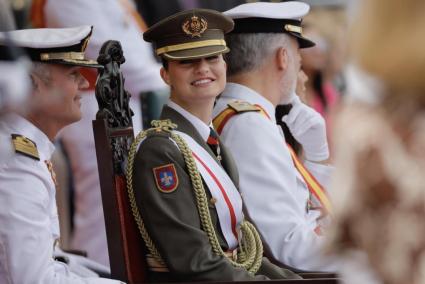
(195, 81)
(58, 95)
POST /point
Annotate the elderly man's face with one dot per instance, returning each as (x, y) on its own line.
(289, 78)
(58, 95)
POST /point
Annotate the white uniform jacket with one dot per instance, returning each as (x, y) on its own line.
(273, 191)
(111, 20)
(29, 222)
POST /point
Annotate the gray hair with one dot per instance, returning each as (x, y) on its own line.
(42, 71)
(248, 51)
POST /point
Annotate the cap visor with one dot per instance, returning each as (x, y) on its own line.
(303, 42)
(196, 53)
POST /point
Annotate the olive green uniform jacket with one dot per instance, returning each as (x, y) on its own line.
(172, 219)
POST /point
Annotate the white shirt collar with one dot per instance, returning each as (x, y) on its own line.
(16, 124)
(200, 126)
(243, 93)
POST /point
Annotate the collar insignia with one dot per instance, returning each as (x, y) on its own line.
(195, 27)
(25, 146)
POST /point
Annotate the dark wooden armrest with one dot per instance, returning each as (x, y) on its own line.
(296, 281)
(305, 281)
(288, 281)
(314, 275)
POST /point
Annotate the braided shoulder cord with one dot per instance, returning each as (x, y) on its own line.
(136, 213)
(250, 251)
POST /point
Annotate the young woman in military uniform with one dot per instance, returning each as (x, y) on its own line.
(183, 183)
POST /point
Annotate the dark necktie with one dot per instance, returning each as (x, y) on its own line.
(213, 143)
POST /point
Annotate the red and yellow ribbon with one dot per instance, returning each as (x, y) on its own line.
(313, 185)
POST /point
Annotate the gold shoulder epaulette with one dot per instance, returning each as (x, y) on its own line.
(25, 146)
(242, 106)
(235, 107)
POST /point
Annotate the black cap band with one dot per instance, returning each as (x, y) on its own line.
(35, 53)
(9, 52)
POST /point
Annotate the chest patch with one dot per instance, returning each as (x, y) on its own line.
(166, 178)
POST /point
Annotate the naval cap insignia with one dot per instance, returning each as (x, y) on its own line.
(195, 26)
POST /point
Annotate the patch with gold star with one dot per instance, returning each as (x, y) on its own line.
(166, 178)
(25, 146)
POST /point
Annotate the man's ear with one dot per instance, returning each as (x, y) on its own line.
(36, 81)
(164, 76)
(282, 59)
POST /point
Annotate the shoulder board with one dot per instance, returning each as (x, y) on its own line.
(242, 106)
(233, 108)
(25, 146)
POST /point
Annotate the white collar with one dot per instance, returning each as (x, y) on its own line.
(16, 124)
(200, 126)
(242, 92)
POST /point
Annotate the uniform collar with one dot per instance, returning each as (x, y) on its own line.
(16, 124)
(243, 93)
(200, 126)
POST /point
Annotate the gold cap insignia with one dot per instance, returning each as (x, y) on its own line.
(25, 146)
(195, 27)
(294, 29)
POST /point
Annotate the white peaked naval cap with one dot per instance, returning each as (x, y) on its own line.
(268, 17)
(48, 45)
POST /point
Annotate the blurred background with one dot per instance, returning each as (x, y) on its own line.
(365, 76)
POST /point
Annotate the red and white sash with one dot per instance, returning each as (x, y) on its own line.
(228, 199)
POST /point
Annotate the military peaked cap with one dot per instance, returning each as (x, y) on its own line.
(190, 34)
(60, 46)
(265, 17)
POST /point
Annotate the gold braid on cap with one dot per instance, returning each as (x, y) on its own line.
(250, 250)
(190, 45)
(62, 55)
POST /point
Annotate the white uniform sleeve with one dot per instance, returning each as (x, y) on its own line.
(26, 240)
(271, 191)
(322, 173)
(111, 22)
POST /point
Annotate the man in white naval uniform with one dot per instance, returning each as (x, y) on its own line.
(112, 19)
(262, 71)
(14, 89)
(29, 224)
